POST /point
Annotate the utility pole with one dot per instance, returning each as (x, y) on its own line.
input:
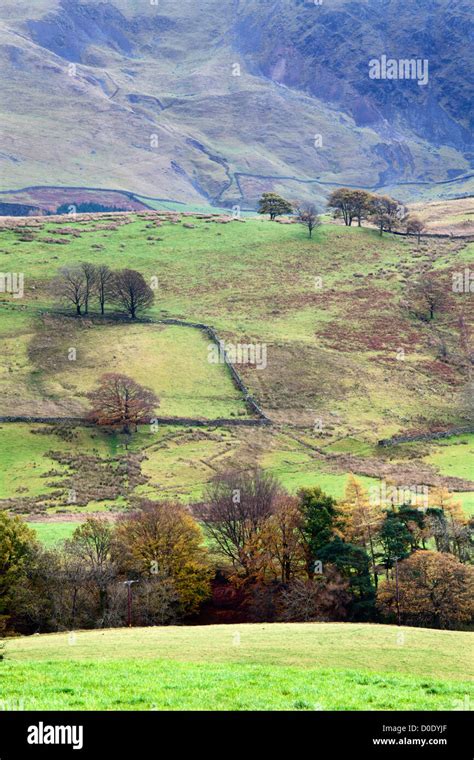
(397, 590)
(128, 584)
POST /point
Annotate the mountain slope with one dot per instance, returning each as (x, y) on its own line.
(215, 101)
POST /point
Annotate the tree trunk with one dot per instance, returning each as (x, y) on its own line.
(73, 610)
(372, 552)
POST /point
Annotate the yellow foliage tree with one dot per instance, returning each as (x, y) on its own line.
(362, 519)
(164, 539)
(455, 532)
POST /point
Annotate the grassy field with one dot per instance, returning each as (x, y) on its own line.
(332, 350)
(178, 462)
(38, 377)
(334, 384)
(319, 666)
(52, 533)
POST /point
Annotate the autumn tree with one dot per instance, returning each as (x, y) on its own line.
(434, 590)
(307, 215)
(451, 528)
(279, 541)
(324, 597)
(118, 401)
(341, 203)
(414, 226)
(17, 547)
(362, 520)
(426, 297)
(40, 602)
(130, 292)
(360, 205)
(65, 581)
(274, 205)
(235, 509)
(162, 541)
(384, 212)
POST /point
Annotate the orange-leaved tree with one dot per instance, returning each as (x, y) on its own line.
(434, 589)
(118, 401)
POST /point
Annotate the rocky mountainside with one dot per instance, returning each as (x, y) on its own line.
(213, 101)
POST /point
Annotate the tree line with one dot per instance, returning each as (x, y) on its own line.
(271, 555)
(80, 285)
(349, 205)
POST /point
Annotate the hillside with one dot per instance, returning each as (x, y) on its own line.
(312, 666)
(347, 362)
(212, 103)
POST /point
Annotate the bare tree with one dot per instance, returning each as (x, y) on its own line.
(236, 507)
(89, 272)
(307, 215)
(120, 401)
(71, 286)
(103, 284)
(131, 292)
(91, 544)
(325, 597)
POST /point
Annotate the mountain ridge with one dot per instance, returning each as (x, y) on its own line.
(141, 97)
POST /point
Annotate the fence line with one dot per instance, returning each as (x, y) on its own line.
(425, 436)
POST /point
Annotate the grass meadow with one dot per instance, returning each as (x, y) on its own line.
(300, 666)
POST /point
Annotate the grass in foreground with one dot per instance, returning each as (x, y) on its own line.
(320, 666)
